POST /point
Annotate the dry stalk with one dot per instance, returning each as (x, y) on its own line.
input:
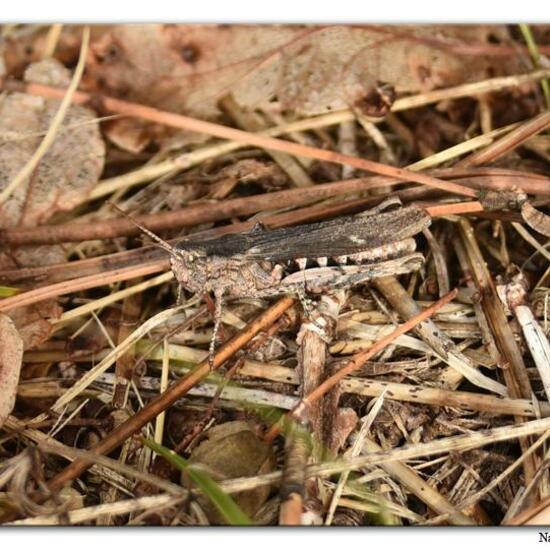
(313, 339)
(416, 485)
(82, 283)
(353, 451)
(442, 345)
(90, 513)
(125, 364)
(510, 141)
(458, 443)
(515, 376)
(357, 361)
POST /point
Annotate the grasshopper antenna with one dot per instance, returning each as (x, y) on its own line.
(162, 243)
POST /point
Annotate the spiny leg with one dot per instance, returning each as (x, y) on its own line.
(308, 306)
(305, 301)
(218, 296)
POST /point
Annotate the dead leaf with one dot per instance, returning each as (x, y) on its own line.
(33, 322)
(183, 68)
(128, 134)
(69, 169)
(11, 356)
(308, 69)
(24, 44)
(233, 450)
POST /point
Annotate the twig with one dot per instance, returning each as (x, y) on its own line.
(112, 298)
(314, 335)
(353, 451)
(495, 179)
(466, 90)
(416, 485)
(458, 443)
(252, 122)
(75, 517)
(52, 39)
(515, 376)
(82, 283)
(117, 352)
(441, 344)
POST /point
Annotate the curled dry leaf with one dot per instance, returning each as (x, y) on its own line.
(128, 134)
(11, 356)
(535, 219)
(308, 69)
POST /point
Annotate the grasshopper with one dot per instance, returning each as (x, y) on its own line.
(304, 259)
(301, 260)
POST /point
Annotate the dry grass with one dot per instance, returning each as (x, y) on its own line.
(424, 402)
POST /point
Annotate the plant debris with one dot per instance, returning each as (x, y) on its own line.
(418, 398)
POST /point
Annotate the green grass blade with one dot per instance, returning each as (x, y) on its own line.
(227, 507)
(7, 291)
(535, 56)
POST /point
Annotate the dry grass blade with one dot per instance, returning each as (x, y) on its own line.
(441, 344)
(90, 513)
(516, 376)
(82, 283)
(507, 143)
(414, 483)
(92, 374)
(459, 443)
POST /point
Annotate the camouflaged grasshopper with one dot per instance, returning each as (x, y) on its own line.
(301, 260)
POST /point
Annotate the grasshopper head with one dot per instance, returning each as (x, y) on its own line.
(190, 266)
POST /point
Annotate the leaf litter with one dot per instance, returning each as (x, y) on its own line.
(448, 408)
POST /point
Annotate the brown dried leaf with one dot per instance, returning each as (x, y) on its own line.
(128, 134)
(68, 170)
(26, 44)
(309, 69)
(182, 67)
(11, 356)
(233, 450)
(33, 322)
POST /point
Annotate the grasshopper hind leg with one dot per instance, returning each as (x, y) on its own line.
(218, 306)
